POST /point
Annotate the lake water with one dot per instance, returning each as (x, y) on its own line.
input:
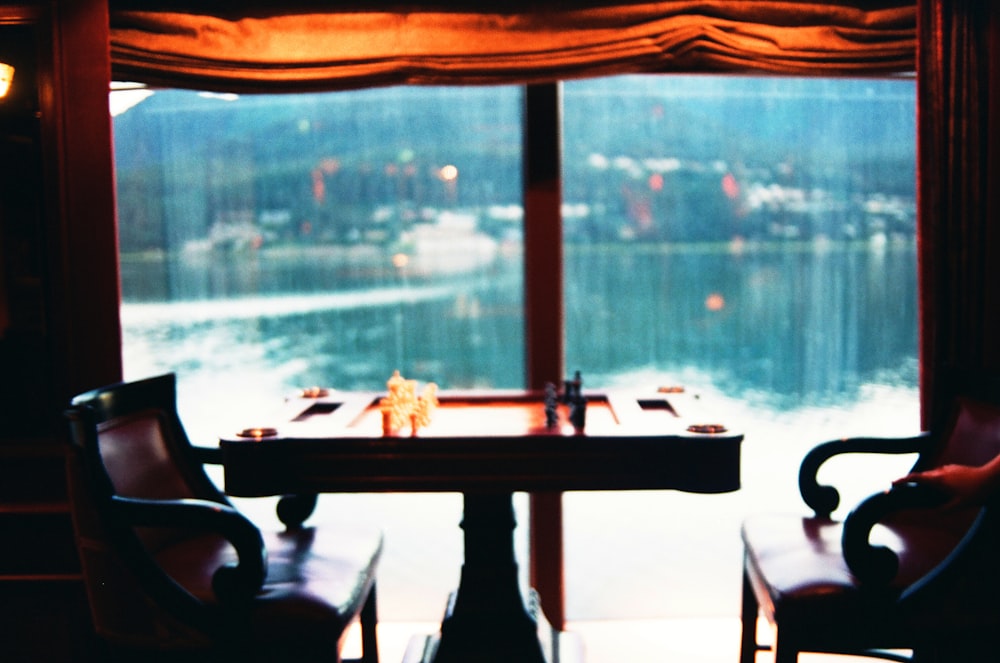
(784, 325)
(792, 343)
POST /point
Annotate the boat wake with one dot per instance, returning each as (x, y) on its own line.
(268, 306)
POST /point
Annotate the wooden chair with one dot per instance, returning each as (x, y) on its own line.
(899, 574)
(174, 572)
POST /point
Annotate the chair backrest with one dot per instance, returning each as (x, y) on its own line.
(967, 414)
(127, 441)
(961, 592)
(143, 445)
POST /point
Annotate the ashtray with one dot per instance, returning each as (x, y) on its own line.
(706, 429)
(258, 432)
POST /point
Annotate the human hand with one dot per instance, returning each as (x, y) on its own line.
(965, 485)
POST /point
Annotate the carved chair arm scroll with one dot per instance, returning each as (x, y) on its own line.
(876, 565)
(824, 499)
(229, 582)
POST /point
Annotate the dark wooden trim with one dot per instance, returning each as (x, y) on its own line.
(543, 277)
(85, 286)
(543, 312)
(991, 301)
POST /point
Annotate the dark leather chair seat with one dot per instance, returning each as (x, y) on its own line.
(313, 579)
(798, 565)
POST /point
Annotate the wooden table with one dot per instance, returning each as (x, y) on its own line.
(486, 445)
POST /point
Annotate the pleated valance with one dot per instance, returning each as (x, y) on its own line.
(260, 46)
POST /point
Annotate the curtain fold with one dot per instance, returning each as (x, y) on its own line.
(957, 279)
(306, 49)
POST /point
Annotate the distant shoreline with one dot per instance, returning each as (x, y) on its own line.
(369, 253)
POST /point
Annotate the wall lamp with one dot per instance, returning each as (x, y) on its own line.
(6, 78)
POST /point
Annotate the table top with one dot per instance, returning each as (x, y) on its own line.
(329, 441)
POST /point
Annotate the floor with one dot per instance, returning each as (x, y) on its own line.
(708, 640)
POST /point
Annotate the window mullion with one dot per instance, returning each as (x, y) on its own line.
(543, 316)
(543, 257)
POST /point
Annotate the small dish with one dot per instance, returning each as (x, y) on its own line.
(706, 429)
(258, 432)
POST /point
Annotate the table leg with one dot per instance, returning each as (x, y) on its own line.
(293, 510)
(488, 620)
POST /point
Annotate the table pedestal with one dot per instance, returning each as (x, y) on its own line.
(487, 619)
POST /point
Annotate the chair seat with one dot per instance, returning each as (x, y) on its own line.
(317, 580)
(797, 569)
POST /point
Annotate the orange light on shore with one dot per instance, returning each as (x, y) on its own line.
(715, 302)
(448, 173)
(6, 78)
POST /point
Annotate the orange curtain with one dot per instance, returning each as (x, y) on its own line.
(304, 48)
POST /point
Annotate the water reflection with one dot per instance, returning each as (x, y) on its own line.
(786, 327)
(783, 326)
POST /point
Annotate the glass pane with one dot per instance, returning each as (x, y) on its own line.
(272, 243)
(752, 240)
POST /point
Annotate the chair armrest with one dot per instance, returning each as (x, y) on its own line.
(823, 499)
(229, 582)
(207, 455)
(877, 565)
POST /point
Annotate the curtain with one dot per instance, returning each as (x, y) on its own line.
(313, 46)
(958, 233)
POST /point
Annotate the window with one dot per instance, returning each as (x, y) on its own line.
(271, 243)
(750, 238)
(278, 242)
(760, 231)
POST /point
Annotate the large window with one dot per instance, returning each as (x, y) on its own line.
(752, 239)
